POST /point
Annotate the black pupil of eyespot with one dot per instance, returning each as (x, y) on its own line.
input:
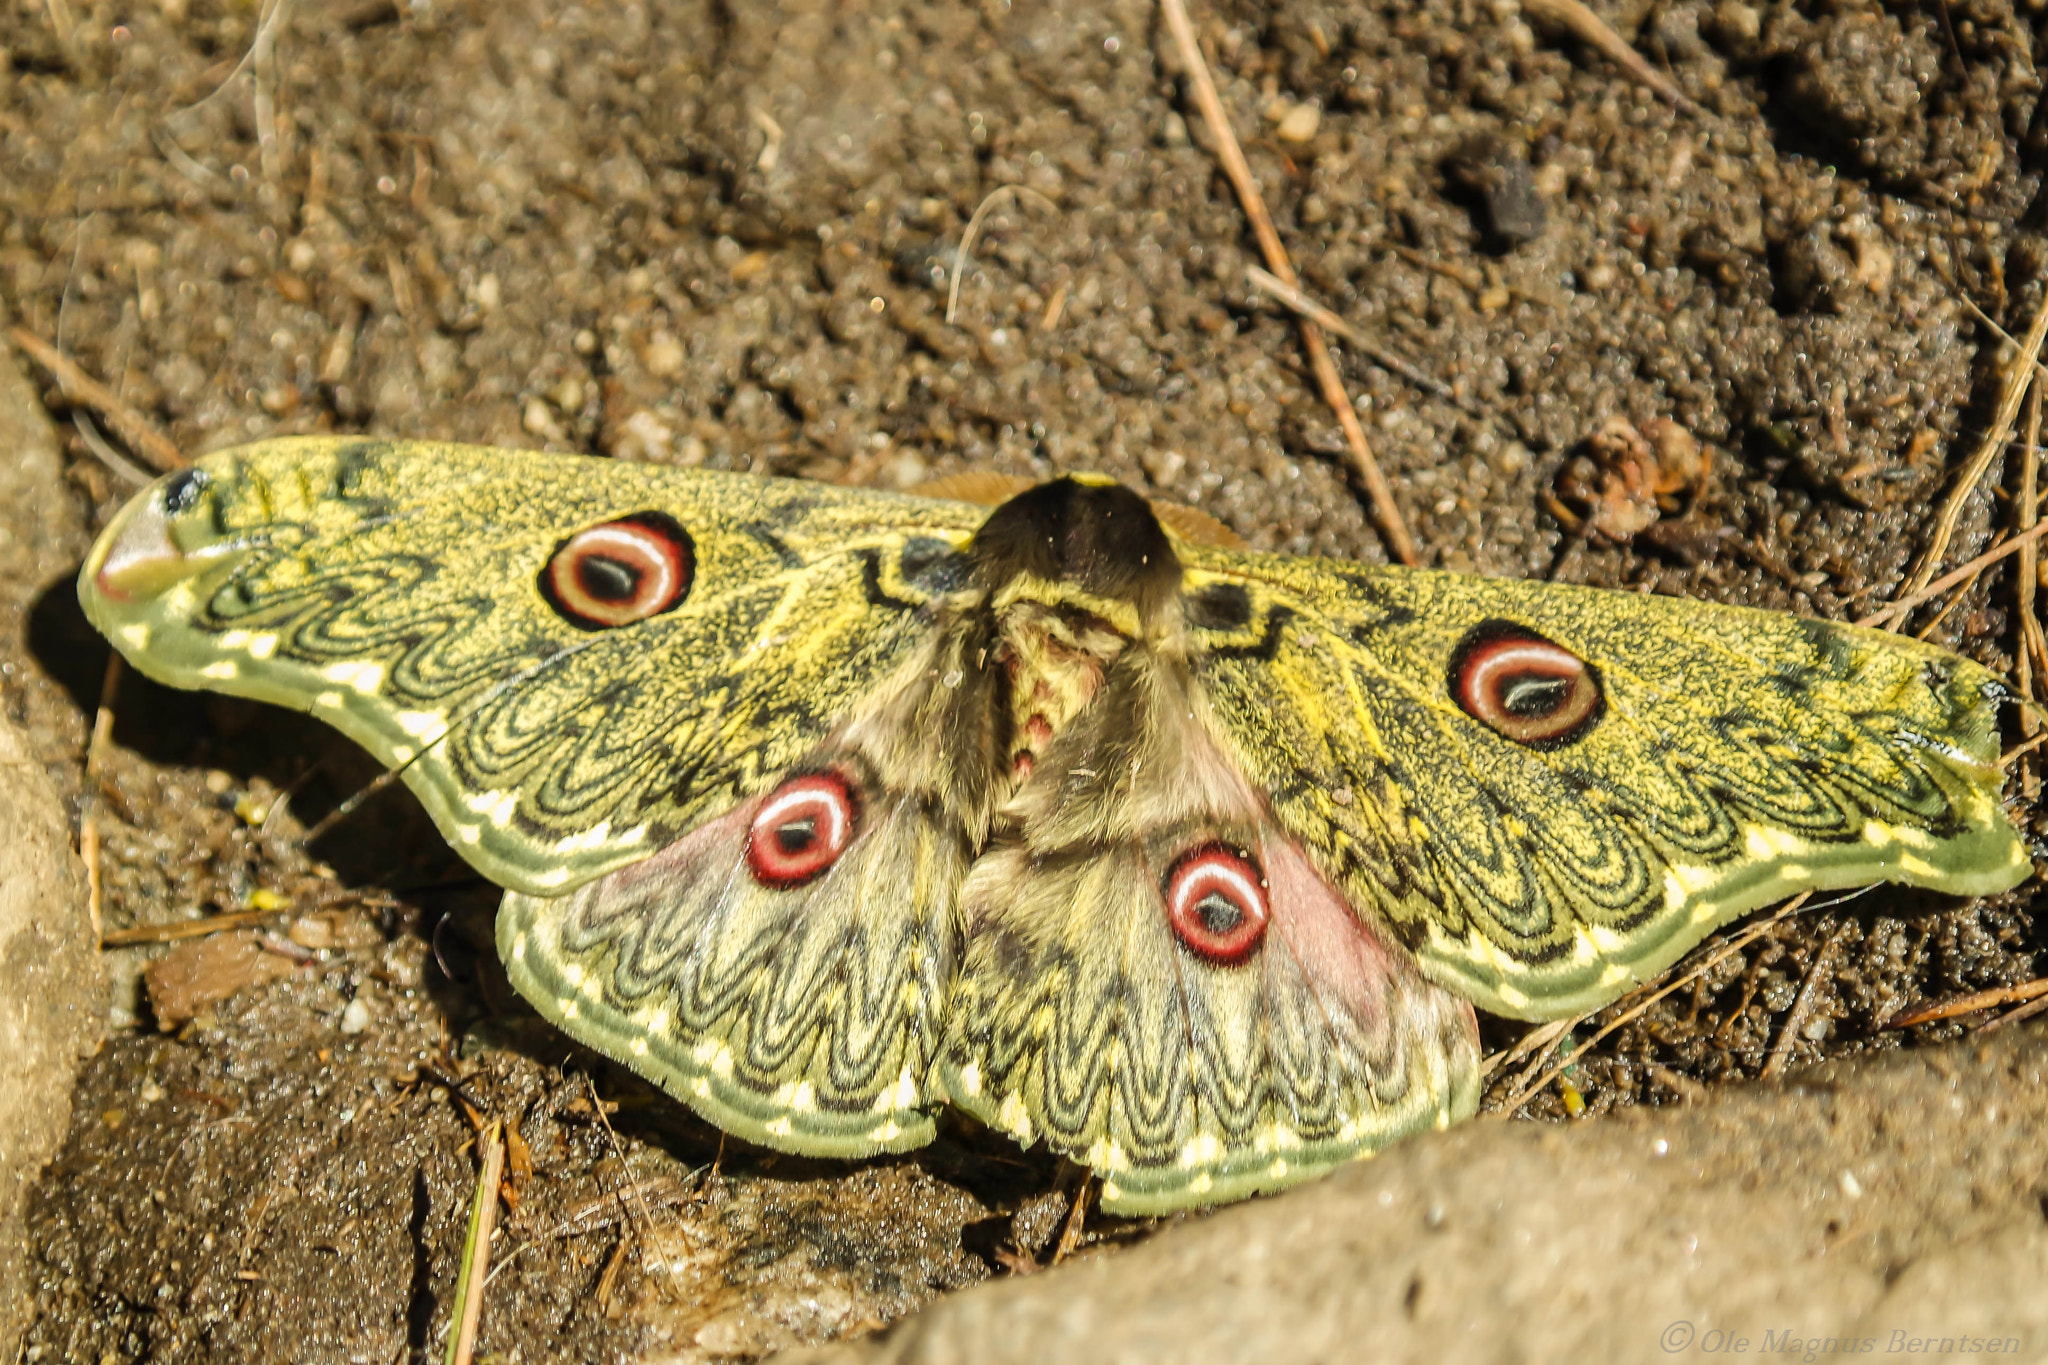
(607, 579)
(180, 493)
(1531, 694)
(1219, 915)
(797, 835)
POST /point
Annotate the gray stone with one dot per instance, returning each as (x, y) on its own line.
(52, 1010)
(1890, 1205)
(51, 1001)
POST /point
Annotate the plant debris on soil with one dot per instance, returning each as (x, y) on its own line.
(1732, 351)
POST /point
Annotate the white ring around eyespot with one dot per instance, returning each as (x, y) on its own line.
(1215, 869)
(1250, 898)
(779, 806)
(640, 548)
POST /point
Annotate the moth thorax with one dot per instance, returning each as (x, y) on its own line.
(1053, 659)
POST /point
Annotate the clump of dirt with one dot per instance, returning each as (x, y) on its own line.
(716, 235)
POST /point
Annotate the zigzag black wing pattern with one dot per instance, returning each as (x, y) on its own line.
(573, 660)
(1551, 792)
(1160, 984)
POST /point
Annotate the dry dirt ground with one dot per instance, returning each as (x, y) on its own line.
(721, 235)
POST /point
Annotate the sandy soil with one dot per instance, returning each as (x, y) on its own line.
(721, 235)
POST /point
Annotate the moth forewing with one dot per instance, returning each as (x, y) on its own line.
(1553, 792)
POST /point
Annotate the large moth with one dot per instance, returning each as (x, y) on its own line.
(827, 809)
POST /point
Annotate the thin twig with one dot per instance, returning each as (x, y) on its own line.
(668, 1260)
(1967, 1004)
(1362, 461)
(1591, 29)
(351, 804)
(1948, 28)
(1540, 1053)
(2017, 380)
(1307, 307)
(103, 718)
(610, 1208)
(1926, 632)
(1463, 276)
(1904, 605)
(89, 432)
(262, 103)
(264, 41)
(182, 162)
(95, 884)
(1705, 965)
(1054, 306)
(1685, 1087)
(1077, 1214)
(79, 387)
(2019, 751)
(1991, 325)
(1535, 1040)
(981, 213)
(2036, 646)
(61, 20)
(2030, 512)
(2026, 1011)
(2029, 574)
(608, 1278)
(1817, 975)
(89, 825)
(476, 1247)
(189, 928)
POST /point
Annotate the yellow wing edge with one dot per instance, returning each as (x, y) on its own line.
(1988, 858)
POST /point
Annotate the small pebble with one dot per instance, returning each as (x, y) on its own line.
(664, 356)
(314, 932)
(1509, 208)
(1737, 25)
(1299, 124)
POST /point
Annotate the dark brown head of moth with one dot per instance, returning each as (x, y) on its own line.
(620, 571)
(1523, 687)
(1101, 537)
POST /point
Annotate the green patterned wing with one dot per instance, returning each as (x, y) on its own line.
(1550, 792)
(1157, 981)
(686, 717)
(785, 967)
(572, 661)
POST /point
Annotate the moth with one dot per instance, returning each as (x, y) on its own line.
(826, 809)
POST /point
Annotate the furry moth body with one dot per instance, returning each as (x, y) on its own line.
(826, 809)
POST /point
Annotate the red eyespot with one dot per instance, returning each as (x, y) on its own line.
(620, 572)
(1216, 902)
(1524, 687)
(801, 829)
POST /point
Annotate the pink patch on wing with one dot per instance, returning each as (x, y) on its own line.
(142, 553)
(805, 824)
(1338, 950)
